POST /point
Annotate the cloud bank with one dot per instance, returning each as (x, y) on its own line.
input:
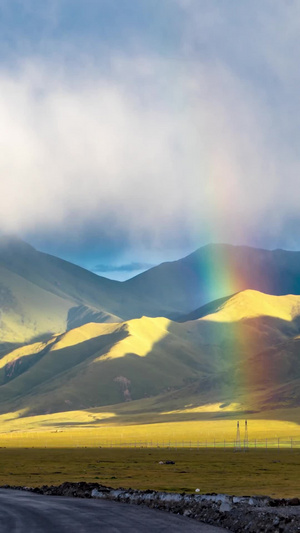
(131, 267)
(201, 144)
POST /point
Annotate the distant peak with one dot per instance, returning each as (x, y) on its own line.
(222, 245)
(215, 249)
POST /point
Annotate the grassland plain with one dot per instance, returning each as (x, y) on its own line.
(179, 434)
(138, 423)
(271, 472)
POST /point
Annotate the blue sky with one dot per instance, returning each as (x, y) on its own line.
(134, 131)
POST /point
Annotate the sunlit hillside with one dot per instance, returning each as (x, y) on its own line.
(99, 364)
(220, 359)
(253, 304)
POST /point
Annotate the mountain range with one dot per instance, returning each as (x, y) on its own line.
(221, 325)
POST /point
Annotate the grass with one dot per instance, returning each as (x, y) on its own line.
(273, 472)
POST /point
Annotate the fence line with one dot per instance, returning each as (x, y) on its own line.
(256, 444)
(32, 439)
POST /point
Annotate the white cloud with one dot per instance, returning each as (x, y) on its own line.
(150, 144)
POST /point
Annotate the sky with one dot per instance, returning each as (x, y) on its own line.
(135, 131)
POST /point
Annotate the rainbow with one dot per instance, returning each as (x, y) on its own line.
(220, 274)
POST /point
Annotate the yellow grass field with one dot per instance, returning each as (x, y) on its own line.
(100, 428)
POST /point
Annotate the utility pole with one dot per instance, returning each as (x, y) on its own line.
(238, 437)
(246, 443)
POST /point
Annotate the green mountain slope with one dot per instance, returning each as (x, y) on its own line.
(27, 310)
(99, 364)
(40, 294)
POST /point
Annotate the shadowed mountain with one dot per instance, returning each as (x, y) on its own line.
(216, 271)
(277, 369)
(81, 314)
(205, 309)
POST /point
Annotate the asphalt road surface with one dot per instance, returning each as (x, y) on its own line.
(25, 512)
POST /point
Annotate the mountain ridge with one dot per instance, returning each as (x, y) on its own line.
(70, 339)
(103, 364)
(75, 295)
